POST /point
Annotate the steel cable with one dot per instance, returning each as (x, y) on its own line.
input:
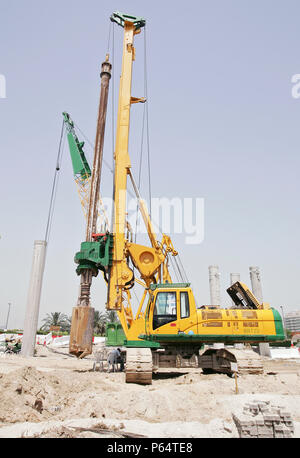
(55, 183)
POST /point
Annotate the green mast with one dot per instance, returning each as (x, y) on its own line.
(80, 165)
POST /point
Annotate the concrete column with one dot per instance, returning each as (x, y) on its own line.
(283, 321)
(264, 348)
(234, 278)
(256, 283)
(214, 285)
(33, 298)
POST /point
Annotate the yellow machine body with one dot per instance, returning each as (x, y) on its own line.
(171, 316)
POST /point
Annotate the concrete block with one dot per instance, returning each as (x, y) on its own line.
(290, 426)
(288, 423)
(245, 435)
(248, 423)
(271, 417)
(286, 431)
(243, 420)
(275, 410)
(253, 430)
(269, 424)
(259, 401)
(262, 420)
(285, 416)
(253, 407)
(264, 409)
(262, 404)
(259, 420)
(279, 428)
(265, 429)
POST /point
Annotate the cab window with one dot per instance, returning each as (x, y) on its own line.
(165, 308)
(184, 305)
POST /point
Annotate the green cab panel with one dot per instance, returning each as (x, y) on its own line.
(114, 335)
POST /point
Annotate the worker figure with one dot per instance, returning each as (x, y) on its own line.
(114, 358)
(13, 345)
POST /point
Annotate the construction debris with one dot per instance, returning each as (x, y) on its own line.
(261, 420)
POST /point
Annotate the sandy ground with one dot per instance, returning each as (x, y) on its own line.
(56, 395)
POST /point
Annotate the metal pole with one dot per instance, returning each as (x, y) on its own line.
(6, 326)
(236, 383)
(86, 276)
(33, 298)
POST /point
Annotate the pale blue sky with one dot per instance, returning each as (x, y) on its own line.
(223, 126)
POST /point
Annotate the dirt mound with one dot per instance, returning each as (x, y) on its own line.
(52, 389)
(28, 395)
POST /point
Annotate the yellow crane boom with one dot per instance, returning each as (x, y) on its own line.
(147, 260)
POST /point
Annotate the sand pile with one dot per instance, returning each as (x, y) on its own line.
(28, 395)
(54, 388)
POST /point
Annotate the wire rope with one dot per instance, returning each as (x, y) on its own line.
(184, 272)
(147, 120)
(55, 183)
(92, 146)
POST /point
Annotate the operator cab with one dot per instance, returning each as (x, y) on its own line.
(170, 303)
